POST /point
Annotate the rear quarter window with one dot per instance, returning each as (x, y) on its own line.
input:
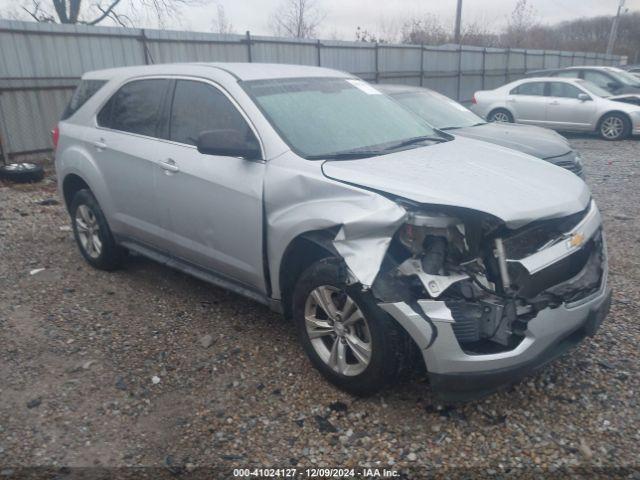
(83, 92)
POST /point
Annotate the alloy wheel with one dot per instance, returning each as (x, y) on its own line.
(88, 231)
(501, 117)
(338, 331)
(612, 127)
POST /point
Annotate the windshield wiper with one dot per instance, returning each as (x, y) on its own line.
(347, 155)
(413, 141)
(355, 154)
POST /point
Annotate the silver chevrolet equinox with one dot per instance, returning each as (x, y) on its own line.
(306, 189)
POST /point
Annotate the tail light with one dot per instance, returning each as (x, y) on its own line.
(55, 136)
(473, 99)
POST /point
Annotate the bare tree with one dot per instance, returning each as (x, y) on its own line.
(297, 19)
(522, 21)
(427, 30)
(221, 23)
(93, 12)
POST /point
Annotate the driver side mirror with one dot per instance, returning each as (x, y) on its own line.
(583, 97)
(229, 143)
(613, 85)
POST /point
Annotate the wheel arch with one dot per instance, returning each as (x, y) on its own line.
(300, 253)
(619, 112)
(71, 185)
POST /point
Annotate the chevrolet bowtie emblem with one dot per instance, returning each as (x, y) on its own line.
(576, 240)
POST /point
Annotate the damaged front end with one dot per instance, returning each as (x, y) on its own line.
(485, 303)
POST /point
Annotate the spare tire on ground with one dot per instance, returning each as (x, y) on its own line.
(22, 172)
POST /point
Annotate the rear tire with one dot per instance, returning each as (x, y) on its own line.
(92, 233)
(500, 115)
(614, 126)
(358, 356)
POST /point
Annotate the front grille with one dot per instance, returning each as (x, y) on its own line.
(568, 162)
(575, 276)
(531, 238)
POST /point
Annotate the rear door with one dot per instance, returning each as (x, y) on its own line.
(211, 206)
(527, 102)
(126, 150)
(566, 110)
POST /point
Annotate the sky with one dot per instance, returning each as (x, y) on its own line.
(343, 16)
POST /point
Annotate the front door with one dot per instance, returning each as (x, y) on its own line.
(566, 110)
(211, 206)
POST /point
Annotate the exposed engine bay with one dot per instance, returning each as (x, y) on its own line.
(483, 271)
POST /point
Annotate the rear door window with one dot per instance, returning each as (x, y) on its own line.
(564, 90)
(530, 88)
(83, 92)
(198, 107)
(136, 107)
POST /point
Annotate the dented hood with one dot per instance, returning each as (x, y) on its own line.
(536, 141)
(631, 99)
(512, 186)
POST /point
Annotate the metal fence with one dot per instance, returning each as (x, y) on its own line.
(40, 65)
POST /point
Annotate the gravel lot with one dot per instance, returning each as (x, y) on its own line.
(113, 369)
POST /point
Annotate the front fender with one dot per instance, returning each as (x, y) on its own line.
(299, 199)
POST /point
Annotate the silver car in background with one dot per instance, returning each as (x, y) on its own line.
(308, 190)
(562, 104)
(448, 115)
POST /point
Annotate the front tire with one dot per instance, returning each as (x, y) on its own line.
(500, 115)
(354, 344)
(614, 126)
(92, 233)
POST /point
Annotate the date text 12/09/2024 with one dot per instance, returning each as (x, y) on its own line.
(314, 473)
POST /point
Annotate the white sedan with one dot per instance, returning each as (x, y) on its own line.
(562, 104)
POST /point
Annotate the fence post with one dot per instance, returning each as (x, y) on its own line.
(377, 65)
(4, 136)
(421, 64)
(484, 66)
(526, 61)
(506, 66)
(318, 48)
(248, 40)
(459, 89)
(145, 48)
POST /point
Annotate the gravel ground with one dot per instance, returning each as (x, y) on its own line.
(116, 370)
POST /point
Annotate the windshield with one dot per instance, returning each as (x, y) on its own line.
(593, 88)
(333, 117)
(625, 77)
(438, 110)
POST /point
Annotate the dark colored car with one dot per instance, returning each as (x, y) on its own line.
(446, 114)
(614, 80)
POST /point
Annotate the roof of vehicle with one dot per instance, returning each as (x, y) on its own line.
(397, 88)
(575, 67)
(242, 71)
(547, 79)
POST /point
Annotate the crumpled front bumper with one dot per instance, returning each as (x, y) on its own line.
(458, 375)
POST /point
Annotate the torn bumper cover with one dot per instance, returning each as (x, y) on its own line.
(458, 370)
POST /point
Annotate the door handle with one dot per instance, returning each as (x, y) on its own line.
(100, 144)
(554, 103)
(170, 165)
